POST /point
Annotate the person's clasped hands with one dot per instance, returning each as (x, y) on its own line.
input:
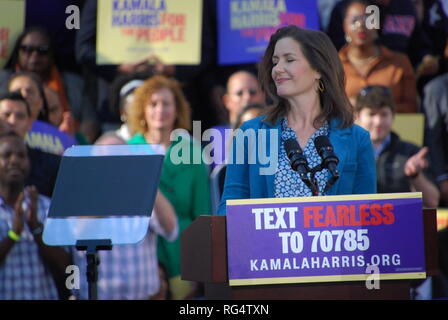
(28, 215)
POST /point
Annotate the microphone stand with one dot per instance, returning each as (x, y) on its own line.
(315, 185)
(330, 182)
(313, 172)
(312, 184)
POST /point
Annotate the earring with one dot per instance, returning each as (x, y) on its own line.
(348, 39)
(320, 85)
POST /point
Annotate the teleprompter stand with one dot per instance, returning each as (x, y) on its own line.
(91, 247)
(104, 196)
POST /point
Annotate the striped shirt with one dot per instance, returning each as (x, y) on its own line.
(127, 272)
(23, 275)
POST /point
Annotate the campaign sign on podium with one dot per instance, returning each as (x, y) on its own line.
(325, 239)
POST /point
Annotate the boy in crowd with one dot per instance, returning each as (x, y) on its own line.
(400, 165)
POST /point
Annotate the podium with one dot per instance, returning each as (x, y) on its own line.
(204, 260)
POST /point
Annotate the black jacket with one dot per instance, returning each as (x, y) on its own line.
(390, 166)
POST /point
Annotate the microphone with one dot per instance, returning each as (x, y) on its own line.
(325, 151)
(329, 158)
(299, 163)
(296, 158)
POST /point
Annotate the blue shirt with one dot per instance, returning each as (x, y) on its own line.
(382, 146)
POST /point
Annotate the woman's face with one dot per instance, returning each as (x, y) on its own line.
(355, 26)
(30, 91)
(34, 53)
(291, 71)
(161, 112)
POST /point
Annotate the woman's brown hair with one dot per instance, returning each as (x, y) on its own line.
(142, 97)
(323, 58)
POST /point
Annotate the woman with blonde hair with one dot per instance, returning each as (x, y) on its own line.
(159, 108)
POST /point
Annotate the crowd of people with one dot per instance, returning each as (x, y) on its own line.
(351, 77)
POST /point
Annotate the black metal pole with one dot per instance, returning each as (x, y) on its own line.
(91, 247)
(92, 274)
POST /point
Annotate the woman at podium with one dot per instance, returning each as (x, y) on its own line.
(302, 74)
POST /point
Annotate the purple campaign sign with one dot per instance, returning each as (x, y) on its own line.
(48, 138)
(325, 238)
(244, 27)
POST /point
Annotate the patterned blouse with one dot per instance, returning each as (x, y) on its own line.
(287, 181)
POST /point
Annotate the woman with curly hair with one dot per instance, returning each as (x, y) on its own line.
(158, 109)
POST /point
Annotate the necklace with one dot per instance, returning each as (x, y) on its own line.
(362, 61)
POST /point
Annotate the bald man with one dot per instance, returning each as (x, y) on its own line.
(243, 88)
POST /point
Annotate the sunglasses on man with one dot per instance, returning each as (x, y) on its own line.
(41, 50)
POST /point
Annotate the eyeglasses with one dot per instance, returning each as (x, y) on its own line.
(41, 50)
(365, 91)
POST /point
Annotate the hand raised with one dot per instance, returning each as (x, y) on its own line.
(416, 163)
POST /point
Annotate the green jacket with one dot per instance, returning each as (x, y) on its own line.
(187, 187)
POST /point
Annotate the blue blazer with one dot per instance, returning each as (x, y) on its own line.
(243, 179)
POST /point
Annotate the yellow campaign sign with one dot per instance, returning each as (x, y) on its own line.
(12, 20)
(131, 30)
